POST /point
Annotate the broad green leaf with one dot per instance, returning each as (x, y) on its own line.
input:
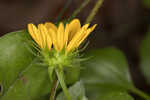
(30, 85)
(11, 50)
(145, 56)
(115, 95)
(20, 75)
(77, 92)
(95, 92)
(106, 69)
(100, 93)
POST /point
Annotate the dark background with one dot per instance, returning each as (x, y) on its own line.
(121, 23)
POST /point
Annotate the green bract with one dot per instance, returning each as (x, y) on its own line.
(55, 59)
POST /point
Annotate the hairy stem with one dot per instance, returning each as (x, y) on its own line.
(94, 11)
(140, 93)
(63, 10)
(54, 89)
(79, 9)
(60, 75)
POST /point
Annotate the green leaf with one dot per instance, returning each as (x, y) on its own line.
(145, 56)
(106, 70)
(77, 92)
(107, 67)
(95, 92)
(146, 3)
(115, 95)
(20, 75)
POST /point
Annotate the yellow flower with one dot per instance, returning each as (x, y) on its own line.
(68, 37)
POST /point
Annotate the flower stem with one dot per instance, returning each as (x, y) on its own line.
(50, 72)
(94, 11)
(60, 75)
(79, 9)
(140, 93)
(54, 89)
(63, 10)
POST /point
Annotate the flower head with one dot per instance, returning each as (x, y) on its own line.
(61, 41)
(67, 37)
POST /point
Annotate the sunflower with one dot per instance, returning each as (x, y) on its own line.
(62, 42)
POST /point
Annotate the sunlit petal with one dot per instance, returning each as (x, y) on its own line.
(74, 27)
(33, 32)
(53, 36)
(66, 34)
(49, 25)
(60, 36)
(86, 34)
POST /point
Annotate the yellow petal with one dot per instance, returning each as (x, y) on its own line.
(72, 43)
(49, 42)
(79, 37)
(86, 35)
(42, 34)
(46, 37)
(66, 34)
(60, 36)
(82, 34)
(33, 32)
(74, 27)
(53, 36)
(49, 25)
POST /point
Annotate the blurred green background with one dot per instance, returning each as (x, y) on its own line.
(121, 23)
